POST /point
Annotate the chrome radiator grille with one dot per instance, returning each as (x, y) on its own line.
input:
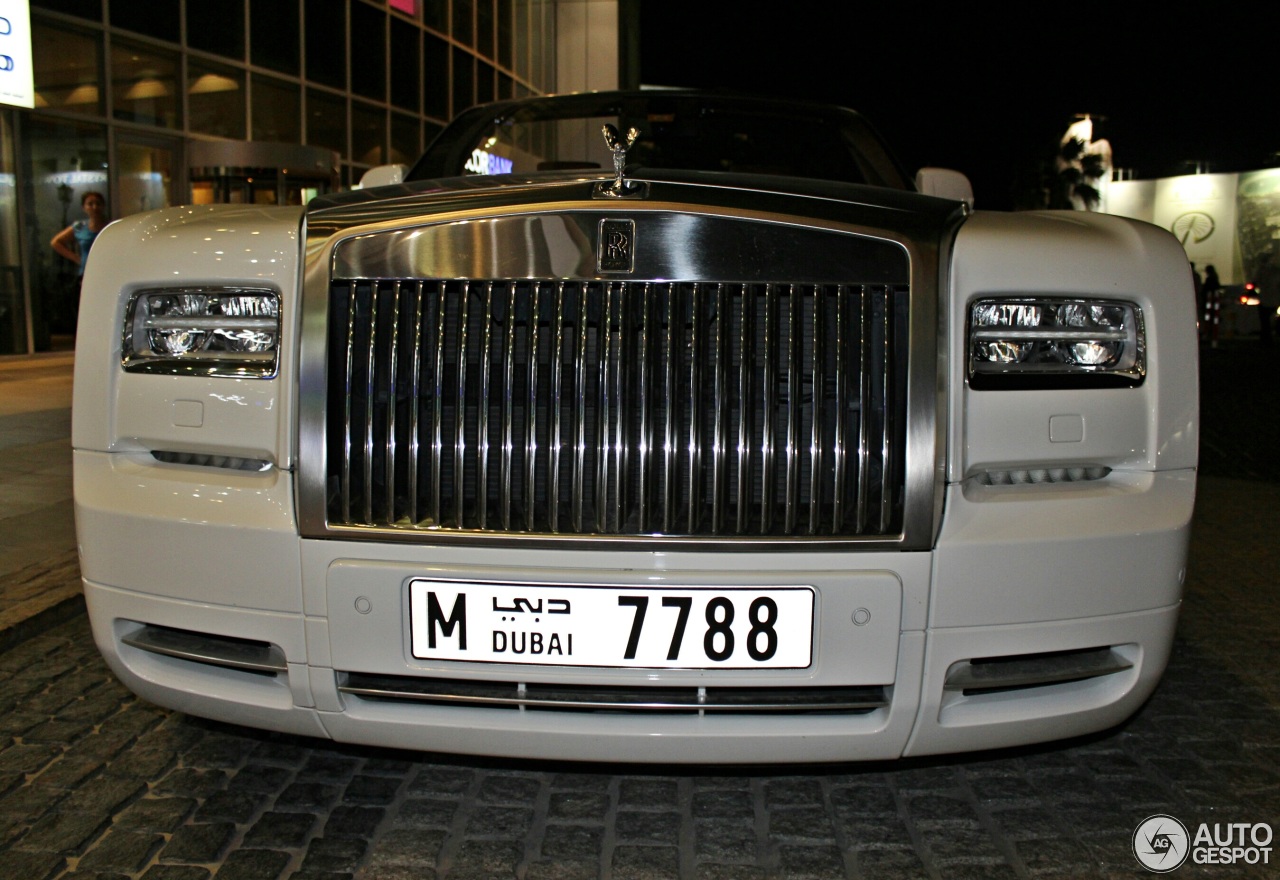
(617, 408)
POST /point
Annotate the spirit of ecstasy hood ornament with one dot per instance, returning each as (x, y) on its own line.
(619, 187)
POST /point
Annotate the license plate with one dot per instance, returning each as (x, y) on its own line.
(669, 628)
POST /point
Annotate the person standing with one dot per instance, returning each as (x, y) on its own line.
(74, 242)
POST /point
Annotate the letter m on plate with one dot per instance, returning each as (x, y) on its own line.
(456, 619)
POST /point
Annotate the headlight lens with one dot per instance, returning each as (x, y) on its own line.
(204, 331)
(1051, 342)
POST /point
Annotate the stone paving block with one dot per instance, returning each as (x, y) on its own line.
(863, 800)
(155, 814)
(260, 778)
(578, 804)
(723, 804)
(276, 830)
(489, 821)
(253, 864)
(121, 850)
(198, 842)
(233, 806)
(805, 862)
(308, 796)
(562, 869)
(441, 780)
(176, 872)
(407, 848)
(497, 789)
(890, 863)
(656, 794)
(581, 782)
(142, 763)
(793, 792)
(732, 872)
(280, 750)
(425, 813)
(68, 832)
(328, 767)
(28, 757)
(67, 772)
(218, 751)
(190, 782)
(801, 824)
(725, 840)
(371, 790)
(634, 826)
(334, 854)
(646, 862)
(353, 821)
(485, 860)
(572, 842)
(33, 865)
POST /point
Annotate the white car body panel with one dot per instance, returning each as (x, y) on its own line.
(1031, 569)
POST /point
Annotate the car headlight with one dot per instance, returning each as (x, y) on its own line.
(1055, 343)
(203, 331)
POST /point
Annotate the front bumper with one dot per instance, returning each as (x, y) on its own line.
(165, 549)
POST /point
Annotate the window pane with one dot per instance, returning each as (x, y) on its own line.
(144, 85)
(505, 20)
(13, 312)
(277, 110)
(368, 133)
(66, 68)
(369, 49)
(405, 139)
(215, 97)
(273, 35)
(327, 43)
(327, 121)
(216, 27)
(463, 30)
(144, 175)
(155, 18)
(435, 77)
(435, 14)
(484, 28)
(484, 82)
(406, 85)
(463, 80)
(68, 160)
(90, 9)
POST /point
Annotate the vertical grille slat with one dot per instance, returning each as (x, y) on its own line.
(682, 409)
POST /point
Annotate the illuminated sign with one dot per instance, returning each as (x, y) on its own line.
(16, 84)
(482, 162)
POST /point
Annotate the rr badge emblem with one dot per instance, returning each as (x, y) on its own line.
(616, 246)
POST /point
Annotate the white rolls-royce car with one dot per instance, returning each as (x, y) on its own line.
(647, 426)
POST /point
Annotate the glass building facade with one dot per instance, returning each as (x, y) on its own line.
(125, 87)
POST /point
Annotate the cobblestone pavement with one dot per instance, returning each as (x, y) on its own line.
(97, 783)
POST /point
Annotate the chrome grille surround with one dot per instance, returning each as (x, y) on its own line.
(627, 470)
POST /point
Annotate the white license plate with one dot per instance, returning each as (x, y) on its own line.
(670, 628)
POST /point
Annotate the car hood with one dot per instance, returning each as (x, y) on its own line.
(871, 207)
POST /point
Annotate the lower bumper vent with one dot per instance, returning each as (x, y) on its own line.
(992, 674)
(600, 698)
(243, 654)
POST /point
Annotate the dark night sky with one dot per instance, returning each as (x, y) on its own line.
(988, 89)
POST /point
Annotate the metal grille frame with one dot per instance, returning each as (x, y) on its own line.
(627, 494)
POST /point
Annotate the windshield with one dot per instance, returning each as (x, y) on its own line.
(690, 133)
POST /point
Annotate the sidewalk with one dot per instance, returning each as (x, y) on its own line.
(39, 571)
